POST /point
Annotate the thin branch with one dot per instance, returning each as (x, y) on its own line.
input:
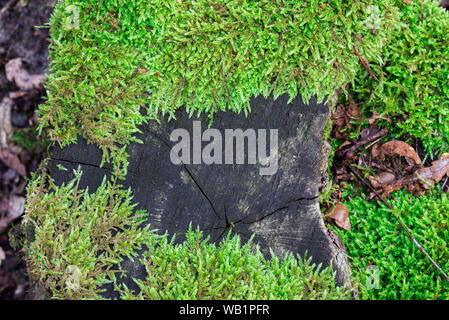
(444, 184)
(365, 64)
(397, 218)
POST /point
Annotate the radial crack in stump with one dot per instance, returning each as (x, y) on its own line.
(281, 209)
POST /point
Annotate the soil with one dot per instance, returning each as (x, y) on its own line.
(20, 38)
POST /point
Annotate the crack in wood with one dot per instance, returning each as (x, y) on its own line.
(190, 175)
(81, 163)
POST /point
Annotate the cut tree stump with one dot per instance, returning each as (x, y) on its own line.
(281, 210)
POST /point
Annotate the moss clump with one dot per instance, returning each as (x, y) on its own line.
(413, 76)
(203, 55)
(197, 269)
(80, 239)
(377, 239)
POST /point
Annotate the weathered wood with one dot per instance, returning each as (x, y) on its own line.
(282, 210)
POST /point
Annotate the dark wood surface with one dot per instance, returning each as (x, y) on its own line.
(281, 210)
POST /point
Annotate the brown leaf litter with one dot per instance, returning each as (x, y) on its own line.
(15, 72)
(340, 215)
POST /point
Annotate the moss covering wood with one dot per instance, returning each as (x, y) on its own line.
(125, 56)
(197, 269)
(79, 240)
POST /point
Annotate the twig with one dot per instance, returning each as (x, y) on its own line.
(364, 63)
(397, 218)
(340, 154)
(374, 142)
(444, 184)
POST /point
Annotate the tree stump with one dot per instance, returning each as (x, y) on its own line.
(281, 210)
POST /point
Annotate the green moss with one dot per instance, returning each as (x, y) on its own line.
(197, 269)
(376, 239)
(413, 88)
(412, 91)
(203, 55)
(79, 240)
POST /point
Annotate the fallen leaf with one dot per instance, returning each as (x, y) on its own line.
(25, 81)
(12, 161)
(15, 208)
(375, 150)
(420, 180)
(400, 148)
(2, 255)
(339, 115)
(5, 121)
(17, 94)
(340, 215)
(354, 110)
(436, 172)
(382, 179)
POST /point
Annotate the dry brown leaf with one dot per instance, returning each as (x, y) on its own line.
(375, 150)
(433, 174)
(339, 115)
(419, 181)
(12, 161)
(400, 148)
(342, 117)
(5, 121)
(340, 215)
(25, 81)
(354, 110)
(382, 179)
(2, 255)
(15, 208)
(17, 94)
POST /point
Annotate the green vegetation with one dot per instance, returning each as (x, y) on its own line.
(413, 88)
(197, 269)
(413, 91)
(126, 62)
(80, 239)
(377, 239)
(77, 232)
(202, 55)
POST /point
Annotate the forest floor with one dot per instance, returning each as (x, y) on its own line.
(359, 160)
(23, 60)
